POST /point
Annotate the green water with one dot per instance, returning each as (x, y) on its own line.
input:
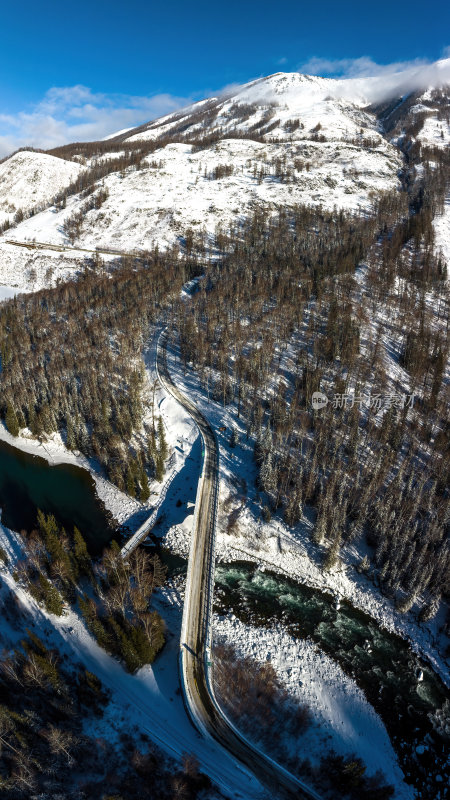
(28, 482)
(381, 663)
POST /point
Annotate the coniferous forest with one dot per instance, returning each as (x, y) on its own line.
(71, 361)
(301, 284)
(288, 289)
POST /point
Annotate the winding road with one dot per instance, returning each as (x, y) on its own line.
(195, 651)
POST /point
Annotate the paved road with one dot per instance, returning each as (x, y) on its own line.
(197, 614)
(60, 248)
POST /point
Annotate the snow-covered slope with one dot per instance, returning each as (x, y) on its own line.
(275, 142)
(430, 113)
(29, 179)
(423, 118)
(277, 102)
(435, 132)
(157, 203)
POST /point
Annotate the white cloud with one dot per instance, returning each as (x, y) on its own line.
(75, 113)
(363, 67)
(365, 78)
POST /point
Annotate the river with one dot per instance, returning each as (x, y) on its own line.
(402, 688)
(29, 482)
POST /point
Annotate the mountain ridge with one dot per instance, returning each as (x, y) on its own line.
(276, 142)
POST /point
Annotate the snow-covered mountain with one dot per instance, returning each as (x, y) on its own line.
(340, 107)
(276, 142)
(274, 103)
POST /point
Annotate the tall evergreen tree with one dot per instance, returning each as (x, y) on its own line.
(80, 552)
(129, 482)
(145, 489)
(159, 468)
(70, 436)
(163, 449)
(11, 420)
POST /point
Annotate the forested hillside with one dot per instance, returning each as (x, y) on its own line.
(357, 308)
(71, 361)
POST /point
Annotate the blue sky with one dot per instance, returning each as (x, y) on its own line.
(89, 68)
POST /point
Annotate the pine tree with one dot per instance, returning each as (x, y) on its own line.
(151, 446)
(364, 564)
(159, 469)
(80, 552)
(54, 543)
(407, 603)
(266, 514)
(70, 436)
(46, 523)
(145, 489)
(51, 597)
(131, 490)
(34, 422)
(11, 420)
(142, 646)
(263, 444)
(332, 557)
(293, 512)
(438, 371)
(82, 437)
(233, 438)
(47, 418)
(163, 449)
(94, 624)
(267, 476)
(125, 646)
(49, 528)
(320, 527)
(429, 610)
